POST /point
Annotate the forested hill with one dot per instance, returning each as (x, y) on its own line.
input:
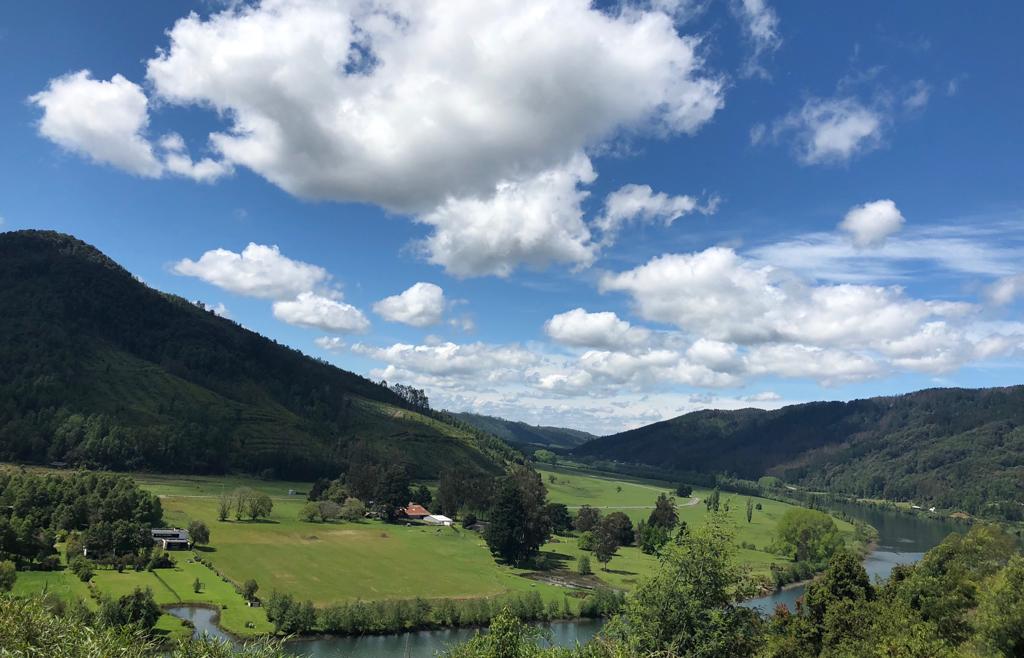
(522, 433)
(98, 369)
(955, 448)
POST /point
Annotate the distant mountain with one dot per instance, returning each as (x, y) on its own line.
(955, 448)
(521, 433)
(98, 369)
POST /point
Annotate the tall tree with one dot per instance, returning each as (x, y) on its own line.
(587, 518)
(664, 514)
(518, 524)
(689, 607)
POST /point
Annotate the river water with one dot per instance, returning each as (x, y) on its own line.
(902, 539)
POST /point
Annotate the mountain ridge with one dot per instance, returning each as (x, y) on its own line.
(104, 371)
(521, 433)
(953, 447)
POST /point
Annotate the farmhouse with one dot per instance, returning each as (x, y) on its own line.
(171, 539)
(437, 519)
(415, 511)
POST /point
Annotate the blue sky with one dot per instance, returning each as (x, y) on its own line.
(615, 213)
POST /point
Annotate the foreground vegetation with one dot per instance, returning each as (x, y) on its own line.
(964, 599)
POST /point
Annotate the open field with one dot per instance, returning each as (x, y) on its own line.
(369, 560)
(635, 498)
(62, 584)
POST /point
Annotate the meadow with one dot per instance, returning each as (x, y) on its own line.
(371, 560)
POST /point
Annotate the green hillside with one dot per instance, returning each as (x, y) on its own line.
(522, 433)
(954, 448)
(98, 369)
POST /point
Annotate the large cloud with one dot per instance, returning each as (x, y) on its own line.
(103, 120)
(473, 117)
(777, 323)
(259, 271)
(407, 104)
(421, 305)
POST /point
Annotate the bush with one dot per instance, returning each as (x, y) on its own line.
(586, 541)
(8, 575)
(81, 567)
(583, 565)
(352, 509)
(137, 609)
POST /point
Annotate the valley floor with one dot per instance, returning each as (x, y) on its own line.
(370, 560)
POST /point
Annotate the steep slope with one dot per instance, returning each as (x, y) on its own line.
(956, 448)
(98, 369)
(521, 433)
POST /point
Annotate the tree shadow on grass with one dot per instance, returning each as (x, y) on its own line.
(205, 549)
(550, 561)
(620, 572)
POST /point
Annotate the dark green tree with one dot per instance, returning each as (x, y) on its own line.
(664, 514)
(587, 518)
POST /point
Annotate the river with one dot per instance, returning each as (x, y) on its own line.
(902, 539)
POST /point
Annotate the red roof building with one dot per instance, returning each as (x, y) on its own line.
(415, 511)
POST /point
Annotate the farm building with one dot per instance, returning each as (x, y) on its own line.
(437, 519)
(415, 511)
(171, 539)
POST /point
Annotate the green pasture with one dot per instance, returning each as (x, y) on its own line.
(174, 586)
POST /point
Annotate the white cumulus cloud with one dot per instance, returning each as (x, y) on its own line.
(869, 224)
(536, 222)
(604, 330)
(104, 120)
(390, 103)
(259, 271)
(421, 305)
(319, 312)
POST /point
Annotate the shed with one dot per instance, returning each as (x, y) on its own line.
(437, 519)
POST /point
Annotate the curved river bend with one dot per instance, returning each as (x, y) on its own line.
(902, 539)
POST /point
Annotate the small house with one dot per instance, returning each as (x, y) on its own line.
(171, 539)
(437, 519)
(415, 511)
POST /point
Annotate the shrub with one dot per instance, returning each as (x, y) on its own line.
(81, 567)
(583, 565)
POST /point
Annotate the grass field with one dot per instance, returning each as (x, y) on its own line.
(171, 586)
(635, 498)
(369, 560)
